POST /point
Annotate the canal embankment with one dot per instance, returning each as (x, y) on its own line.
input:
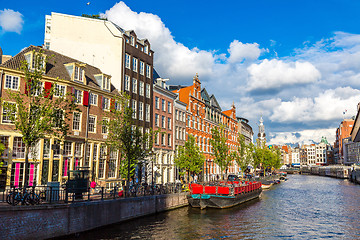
(337, 171)
(55, 220)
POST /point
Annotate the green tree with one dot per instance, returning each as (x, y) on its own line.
(34, 113)
(2, 149)
(244, 154)
(189, 157)
(221, 150)
(125, 137)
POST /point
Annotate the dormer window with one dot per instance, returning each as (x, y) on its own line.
(132, 40)
(106, 83)
(146, 49)
(36, 61)
(76, 71)
(79, 74)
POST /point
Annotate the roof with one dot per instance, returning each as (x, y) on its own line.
(55, 67)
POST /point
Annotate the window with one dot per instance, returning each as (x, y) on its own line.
(163, 139)
(67, 149)
(92, 124)
(106, 83)
(78, 74)
(134, 105)
(156, 119)
(59, 117)
(104, 127)
(59, 90)
(163, 105)
(147, 112)
(127, 83)
(36, 89)
(169, 107)
(78, 96)
(18, 148)
(141, 88)
(127, 60)
(141, 111)
(134, 85)
(7, 112)
(12, 82)
(163, 121)
(76, 121)
(176, 115)
(169, 139)
(148, 71)
(93, 99)
(148, 90)
(106, 103)
(169, 123)
(146, 49)
(87, 155)
(46, 149)
(112, 164)
(157, 102)
(132, 40)
(102, 160)
(142, 68)
(135, 64)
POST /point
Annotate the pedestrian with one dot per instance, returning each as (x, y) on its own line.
(217, 177)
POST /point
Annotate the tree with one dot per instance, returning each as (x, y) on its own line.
(244, 154)
(221, 150)
(268, 158)
(189, 157)
(35, 113)
(125, 137)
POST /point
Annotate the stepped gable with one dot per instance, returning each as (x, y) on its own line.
(55, 67)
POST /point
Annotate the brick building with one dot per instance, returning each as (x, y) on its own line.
(84, 146)
(342, 132)
(204, 113)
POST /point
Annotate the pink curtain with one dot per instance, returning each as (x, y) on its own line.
(31, 175)
(66, 167)
(17, 174)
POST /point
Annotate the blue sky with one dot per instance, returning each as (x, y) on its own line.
(295, 62)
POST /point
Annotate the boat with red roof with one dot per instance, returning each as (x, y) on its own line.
(223, 194)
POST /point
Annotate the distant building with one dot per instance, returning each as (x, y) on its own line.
(342, 132)
(295, 157)
(245, 129)
(261, 140)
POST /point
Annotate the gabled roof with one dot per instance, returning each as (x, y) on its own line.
(214, 102)
(205, 96)
(55, 67)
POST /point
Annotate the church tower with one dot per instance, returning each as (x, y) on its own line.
(261, 140)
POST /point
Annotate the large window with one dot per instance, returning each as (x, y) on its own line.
(12, 82)
(135, 64)
(76, 121)
(92, 124)
(59, 90)
(106, 83)
(104, 127)
(134, 108)
(6, 115)
(169, 123)
(18, 148)
(141, 88)
(93, 99)
(163, 106)
(157, 102)
(112, 164)
(134, 85)
(102, 161)
(142, 68)
(59, 117)
(127, 61)
(169, 107)
(156, 119)
(78, 96)
(148, 90)
(141, 111)
(148, 71)
(127, 83)
(78, 74)
(163, 121)
(147, 112)
(106, 103)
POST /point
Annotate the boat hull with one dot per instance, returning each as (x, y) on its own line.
(218, 201)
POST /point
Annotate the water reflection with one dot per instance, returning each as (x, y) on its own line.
(304, 207)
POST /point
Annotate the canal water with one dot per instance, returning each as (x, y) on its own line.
(304, 207)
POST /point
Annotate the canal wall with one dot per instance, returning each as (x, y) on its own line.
(50, 221)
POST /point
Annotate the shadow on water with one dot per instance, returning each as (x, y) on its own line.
(304, 207)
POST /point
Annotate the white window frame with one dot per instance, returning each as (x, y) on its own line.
(157, 104)
(106, 103)
(141, 111)
(147, 90)
(169, 107)
(92, 126)
(104, 128)
(163, 105)
(77, 124)
(59, 90)
(12, 82)
(134, 108)
(78, 96)
(127, 60)
(156, 120)
(147, 112)
(141, 88)
(4, 114)
(148, 71)
(93, 99)
(135, 64)
(127, 83)
(134, 85)
(142, 68)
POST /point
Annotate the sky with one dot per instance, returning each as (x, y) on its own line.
(295, 63)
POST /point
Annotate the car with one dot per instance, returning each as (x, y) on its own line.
(232, 177)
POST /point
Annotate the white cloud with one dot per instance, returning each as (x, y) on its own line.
(303, 137)
(275, 74)
(11, 21)
(171, 58)
(328, 105)
(239, 51)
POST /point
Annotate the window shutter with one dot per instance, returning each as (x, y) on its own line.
(112, 104)
(86, 98)
(47, 87)
(101, 102)
(27, 84)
